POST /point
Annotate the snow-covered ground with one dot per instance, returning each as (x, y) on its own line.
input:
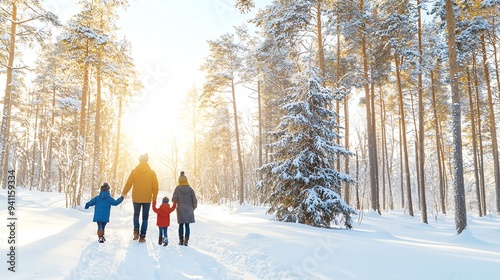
(243, 243)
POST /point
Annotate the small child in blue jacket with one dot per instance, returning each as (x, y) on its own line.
(102, 203)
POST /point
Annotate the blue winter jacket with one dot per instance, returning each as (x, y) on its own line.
(102, 204)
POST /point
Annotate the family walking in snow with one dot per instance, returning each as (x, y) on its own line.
(144, 184)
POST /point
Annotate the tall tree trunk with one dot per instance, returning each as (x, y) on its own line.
(495, 53)
(421, 125)
(404, 142)
(7, 100)
(373, 128)
(494, 141)
(479, 136)
(50, 144)
(347, 188)
(474, 143)
(414, 114)
(371, 142)
(438, 146)
(96, 167)
(238, 146)
(259, 99)
(321, 50)
(460, 210)
(383, 144)
(385, 152)
(358, 203)
(81, 133)
(33, 154)
(117, 145)
(401, 164)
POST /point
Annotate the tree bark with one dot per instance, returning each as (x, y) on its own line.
(81, 133)
(117, 146)
(421, 125)
(479, 136)
(438, 146)
(494, 141)
(371, 143)
(7, 101)
(460, 209)
(474, 143)
(238, 146)
(404, 142)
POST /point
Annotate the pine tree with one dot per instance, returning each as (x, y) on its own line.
(304, 185)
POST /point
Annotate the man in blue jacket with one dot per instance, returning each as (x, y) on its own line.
(102, 203)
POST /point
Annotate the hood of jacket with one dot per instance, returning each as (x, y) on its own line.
(104, 194)
(143, 167)
(184, 189)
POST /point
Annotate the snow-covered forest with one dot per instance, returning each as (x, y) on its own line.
(405, 95)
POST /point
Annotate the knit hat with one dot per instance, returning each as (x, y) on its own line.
(183, 181)
(104, 187)
(165, 199)
(144, 157)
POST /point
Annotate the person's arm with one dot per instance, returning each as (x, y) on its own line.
(155, 186)
(115, 202)
(175, 195)
(154, 207)
(90, 203)
(129, 183)
(194, 199)
(173, 207)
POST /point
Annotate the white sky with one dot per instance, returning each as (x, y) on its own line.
(169, 45)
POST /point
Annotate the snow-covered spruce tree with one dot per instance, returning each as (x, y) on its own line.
(303, 185)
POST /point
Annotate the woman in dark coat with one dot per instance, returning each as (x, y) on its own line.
(186, 201)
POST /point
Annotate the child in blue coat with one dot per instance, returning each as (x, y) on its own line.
(102, 203)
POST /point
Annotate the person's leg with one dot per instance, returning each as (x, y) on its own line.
(137, 211)
(188, 232)
(145, 216)
(181, 234)
(104, 230)
(181, 229)
(164, 237)
(160, 237)
(100, 231)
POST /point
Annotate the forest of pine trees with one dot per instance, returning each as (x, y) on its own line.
(413, 91)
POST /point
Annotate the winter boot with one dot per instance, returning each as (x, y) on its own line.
(160, 240)
(100, 234)
(165, 242)
(186, 240)
(181, 240)
(142, 238)
(136, 233)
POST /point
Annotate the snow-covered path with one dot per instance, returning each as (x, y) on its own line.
(244, 243)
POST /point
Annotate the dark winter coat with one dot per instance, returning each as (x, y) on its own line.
(163, 213)
(102, 203)
(185, 197)
(145, 183)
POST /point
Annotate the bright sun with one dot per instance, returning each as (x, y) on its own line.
(147, 127)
